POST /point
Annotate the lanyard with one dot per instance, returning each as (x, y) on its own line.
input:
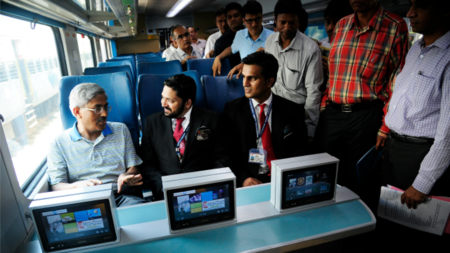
(177, 148)
(259, 134)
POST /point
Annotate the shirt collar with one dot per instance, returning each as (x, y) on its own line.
(263, 33)
(76, 136)
(187, 116)
(443, 42)
(267, 102)
(375, 22)
(296, 42)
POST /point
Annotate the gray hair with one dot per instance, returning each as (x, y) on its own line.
(83, 93)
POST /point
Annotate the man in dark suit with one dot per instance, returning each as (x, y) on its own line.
(182, 138)
(284, 134)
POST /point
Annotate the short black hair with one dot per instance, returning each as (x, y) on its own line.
(337, 9)
(221, 12)
(252, 7)
(303, 20)
(173, 29)
(288, 6)
(267, 62)
(233, 6)
(184, 86)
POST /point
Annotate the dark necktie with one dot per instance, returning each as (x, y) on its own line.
(266, 137)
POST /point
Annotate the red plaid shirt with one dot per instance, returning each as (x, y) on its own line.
(363, 62)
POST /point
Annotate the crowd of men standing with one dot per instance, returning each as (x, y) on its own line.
(373, 90)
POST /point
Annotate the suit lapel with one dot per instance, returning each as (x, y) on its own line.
(196, 121)
(167, 134)
(277, 125)
(248, 122)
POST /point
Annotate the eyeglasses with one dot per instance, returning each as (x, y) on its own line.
(235, 15)
(251, 21)
(99, 110)
(182, 36)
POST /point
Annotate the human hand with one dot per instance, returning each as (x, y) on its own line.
(187, 58)
(217, 65)
(413, 197)
(260, 49)
(237, 68)
(381, 141)
(87, 183)
(210, 54)
(128, 179)
(251, 181)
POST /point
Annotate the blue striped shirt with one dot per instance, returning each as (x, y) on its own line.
(72, 158)
(420, 106)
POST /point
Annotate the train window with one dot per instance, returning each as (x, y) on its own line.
(86, 52)
(316, 31)
(81, 3)
(29, 94)
(103, 49)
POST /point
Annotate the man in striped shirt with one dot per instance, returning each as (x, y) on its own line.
(368, 48)
(94, 151)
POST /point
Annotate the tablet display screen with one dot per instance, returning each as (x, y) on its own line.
(75, 225)
(308, 185)
(201, 205)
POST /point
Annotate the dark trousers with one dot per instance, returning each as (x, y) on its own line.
(348, 136)
(129, 196)
(401, 165)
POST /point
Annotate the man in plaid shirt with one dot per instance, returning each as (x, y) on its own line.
(368, 48)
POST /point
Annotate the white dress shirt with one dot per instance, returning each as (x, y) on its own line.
(300, 74)
(168, 51)
(180, 55)
(199, 46)
(266, 109)
(185, 123)
(211, 42)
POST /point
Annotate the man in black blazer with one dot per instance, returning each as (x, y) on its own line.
(285, 131)
(163, 133)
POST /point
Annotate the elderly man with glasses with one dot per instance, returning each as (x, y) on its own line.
(95, 151)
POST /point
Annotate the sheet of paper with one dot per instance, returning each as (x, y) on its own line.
(429, 217)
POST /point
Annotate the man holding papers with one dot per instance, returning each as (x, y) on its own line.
(417, 154)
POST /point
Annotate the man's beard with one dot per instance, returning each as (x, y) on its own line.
(176, 113)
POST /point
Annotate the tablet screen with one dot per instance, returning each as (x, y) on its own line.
(75, 225)
(201, 205)
(307, 186)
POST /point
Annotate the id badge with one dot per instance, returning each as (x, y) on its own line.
(257, 156)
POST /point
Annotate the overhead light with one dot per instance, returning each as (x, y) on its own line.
(177, 8)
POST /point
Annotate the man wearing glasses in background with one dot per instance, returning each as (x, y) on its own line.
(185, 50)
(248, 40)
(94, 151)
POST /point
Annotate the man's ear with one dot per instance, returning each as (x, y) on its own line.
(270, 82)
(76, 112)
(188, 103)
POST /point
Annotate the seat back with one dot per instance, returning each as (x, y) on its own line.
(107, 70)
(150, 88)
(204, 66)
(145, 55)
(152, 59)
(120, 97)
(131, 61)
(159, 54)
(120, 63)
(220, 90)
(159, 68)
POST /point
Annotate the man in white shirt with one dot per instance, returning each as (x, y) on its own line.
(184, 51)
(300, 74)
(197, 44)
(221, 22)
(173, 45)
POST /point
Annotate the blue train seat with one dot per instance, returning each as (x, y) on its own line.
(132, 62)
(150, 88)
(152, 59)
(159, 54)
(120, 63)
(219, 90)
(145, 55)
(107, 70)
(204, 66)
(159, 68)
(120, 97)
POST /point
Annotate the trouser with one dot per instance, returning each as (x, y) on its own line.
(348, 136)
(401, 165)
(402, 162)
(128, 197)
